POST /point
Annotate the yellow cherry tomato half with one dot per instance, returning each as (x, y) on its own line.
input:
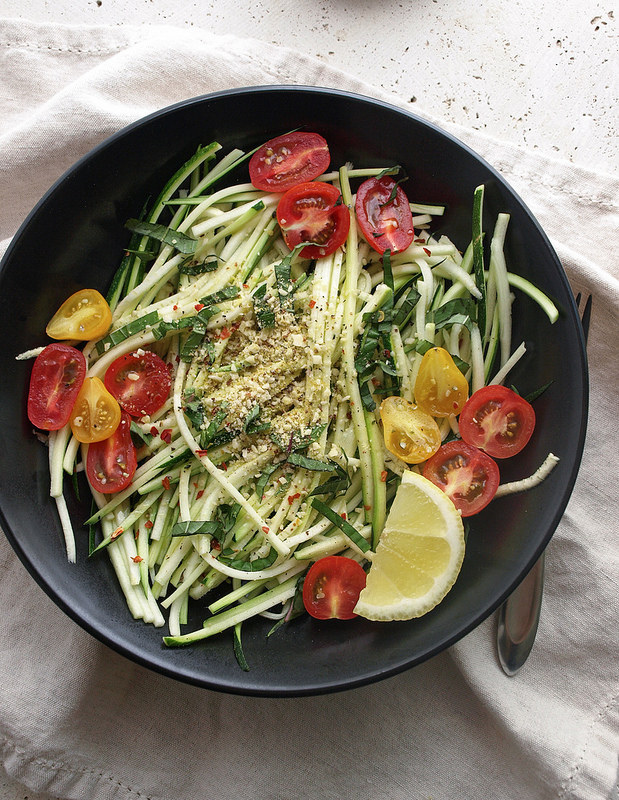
(96, 413)
(440, 388)
(83, 316)
(410, 433)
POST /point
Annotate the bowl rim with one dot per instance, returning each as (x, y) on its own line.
(484, 613)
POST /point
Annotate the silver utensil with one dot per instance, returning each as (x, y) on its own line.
(519, 615)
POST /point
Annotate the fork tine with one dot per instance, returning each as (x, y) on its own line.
(586, 318)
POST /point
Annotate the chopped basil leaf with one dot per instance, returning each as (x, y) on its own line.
(179, 241)
(346, 528)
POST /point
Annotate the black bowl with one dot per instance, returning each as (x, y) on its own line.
(74, 238)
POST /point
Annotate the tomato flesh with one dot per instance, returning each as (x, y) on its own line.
(467, 475)
(313, 212)
(287, 160)
(96, 414)
(111, 463)
(83, 316)
(56, 379)
(440, 388)
(332, 587)
(140, 381)
(384, 215)
(410, 433)
(497, 420)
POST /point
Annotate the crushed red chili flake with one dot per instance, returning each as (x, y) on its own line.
(117, 532)
(383, 475)
(148, 524)
(312, 303)
(367, 508)
(137, 559)
(174, 307)
(199, 494)
(154, 431)
(427, 252)
(224, 466)
(166, 435)
(199, 306)
(225, 333)
(165, 482)
(265, 529)
(215, 545)
(245, 286)
(293, 497)
(201, 453)
(344, 515)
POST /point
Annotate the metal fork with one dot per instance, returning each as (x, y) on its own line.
(519, 614)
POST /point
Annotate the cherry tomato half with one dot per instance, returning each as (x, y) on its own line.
(468, 476)
(384, 215)
(497, 420)
(440, 388)
(111, 463)
(313, 212)
(83, 316)
(288, 160)
(410, 433)
(140, 381)
(96, 414)
(332, 587)
(57, 376)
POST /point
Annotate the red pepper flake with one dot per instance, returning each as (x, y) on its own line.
(312, 303)
(199, 306)
(225, 333)
(166, 435)
(154, 431)
(245, 286)
(117, 533)
(383, 476)
(224, 466)
(427, 252)
(165, 482)
(215, 545)
(137, 559)
(200, 493)
(265, 529)
(148, 525)
(201, 453)
(174, 307)
(293, 497)
(375, 382)
(344, 515)
(367, 508)
(420, 241)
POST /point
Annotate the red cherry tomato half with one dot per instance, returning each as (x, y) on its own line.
(468, 476)
(140, 381)
(313, 212)
(497, 420)
(332, 587)
(288, 160)
(384, 215)
(56, 379)
(111, 463)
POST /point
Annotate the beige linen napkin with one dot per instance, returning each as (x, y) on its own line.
(79, 721)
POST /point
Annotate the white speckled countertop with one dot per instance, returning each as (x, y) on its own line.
(523, 71)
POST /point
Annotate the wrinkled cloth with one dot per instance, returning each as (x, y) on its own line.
(80, 721)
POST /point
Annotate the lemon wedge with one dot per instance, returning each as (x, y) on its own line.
(419, 554)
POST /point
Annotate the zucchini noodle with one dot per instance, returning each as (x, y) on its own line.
(270, 408)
